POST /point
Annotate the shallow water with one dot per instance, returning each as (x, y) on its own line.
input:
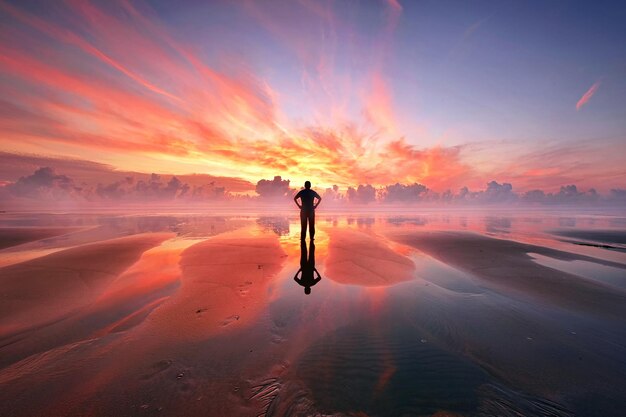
(604, 274)
(201, 315)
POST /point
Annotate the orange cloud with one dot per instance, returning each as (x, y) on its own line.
(68, 37)
(583, 163)
(139, 98)
(14, 166)
(378, 105)
(587, 96)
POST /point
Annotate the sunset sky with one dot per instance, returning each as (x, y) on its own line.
(447, 94)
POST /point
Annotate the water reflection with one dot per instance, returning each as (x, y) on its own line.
(400, 327)
(365, 221)
(401, 220)
(497, 224)
(567, 222)
(278, 225)
(308, 275)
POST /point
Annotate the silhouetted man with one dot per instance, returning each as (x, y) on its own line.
(307, 209)
(307, 267)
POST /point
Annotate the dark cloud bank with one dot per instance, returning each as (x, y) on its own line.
(46, 185)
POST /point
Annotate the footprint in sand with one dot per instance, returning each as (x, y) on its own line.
(157, 368)
(230, 319)
(243, 288)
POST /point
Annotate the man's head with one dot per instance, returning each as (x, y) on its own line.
(307, 184)
(307, 290)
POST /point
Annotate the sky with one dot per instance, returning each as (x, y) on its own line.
(443, 93)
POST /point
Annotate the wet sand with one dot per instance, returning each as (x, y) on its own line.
(14, 236)
(607, 239)
(224, 282)
(360, 259)
(221, 287)
(46, 289)
(506, 265)
(405, 321)
(605, 236)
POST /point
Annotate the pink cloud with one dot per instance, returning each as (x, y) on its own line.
(587, 96)
(395, 5)
(113, 83)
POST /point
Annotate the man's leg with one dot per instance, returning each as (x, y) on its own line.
(303, 218)
(303, 255)
(311, 259)
(312, 223)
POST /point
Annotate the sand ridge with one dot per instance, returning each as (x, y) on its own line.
(15, 236)
(505, 265)
(50, 287)
(224, 284)
(358, 258)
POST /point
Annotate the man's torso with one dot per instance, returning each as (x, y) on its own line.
(307, 196)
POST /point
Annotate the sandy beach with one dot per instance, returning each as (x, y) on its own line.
(361, 259)
(46, 289)
(407, 320)
(507, 265)
(14, 236)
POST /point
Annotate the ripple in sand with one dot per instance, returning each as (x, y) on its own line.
(391, 374)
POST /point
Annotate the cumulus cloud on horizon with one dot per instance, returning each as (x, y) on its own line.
(45, 184)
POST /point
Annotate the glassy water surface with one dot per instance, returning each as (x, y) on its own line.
(403, 314)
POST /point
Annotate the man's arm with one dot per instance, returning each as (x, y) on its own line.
(316, 280)
(295, 199)
(319, 200)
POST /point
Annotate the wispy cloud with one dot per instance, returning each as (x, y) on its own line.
(149, 96)
(587, 96)
(110, 82)
(395, 6)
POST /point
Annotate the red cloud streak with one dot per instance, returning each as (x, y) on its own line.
(112, 84)
(587, 96)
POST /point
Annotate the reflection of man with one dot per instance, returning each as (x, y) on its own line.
(307, 209)
(307, 267)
